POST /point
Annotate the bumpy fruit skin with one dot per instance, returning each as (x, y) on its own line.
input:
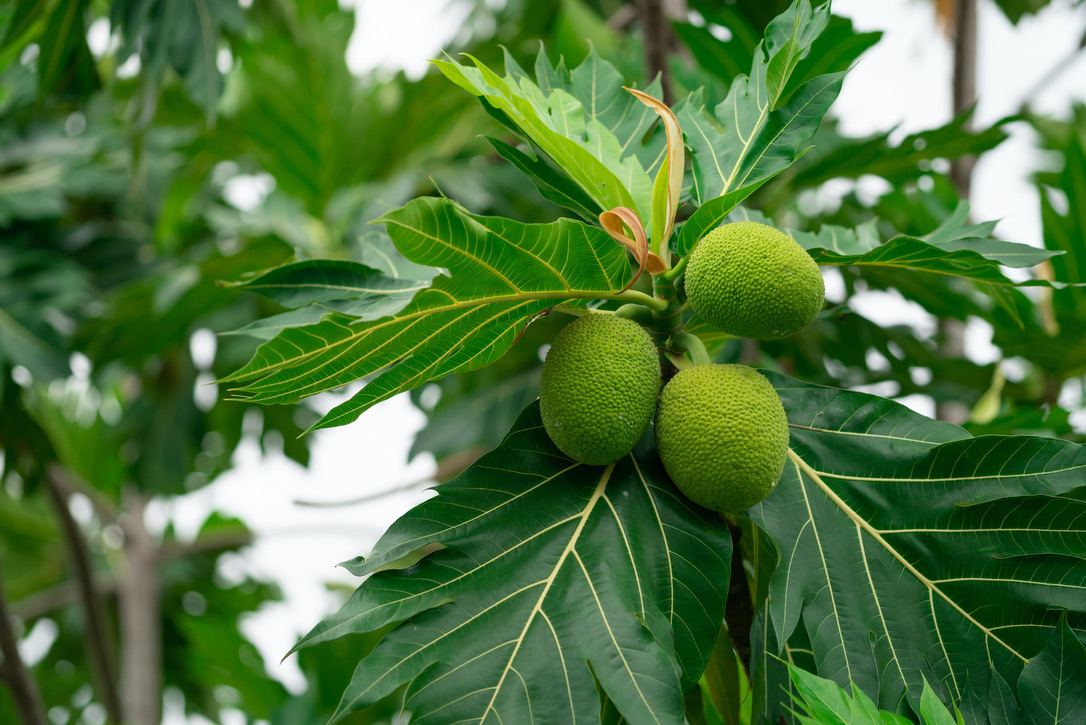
(722, 435)
(599, 386)
(751, 280)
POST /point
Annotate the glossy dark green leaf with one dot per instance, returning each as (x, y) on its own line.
(747, 138)
(541, 576)
(956, 553)
(551, 184)
(1053, 684)
(348, 288)
(502, 275)
(953, 249)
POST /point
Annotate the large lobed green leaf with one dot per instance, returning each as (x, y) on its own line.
(540, 578)
(761, 126)
(909, 550)
(955, 248)
(583, 121)
(758, 130)
(502, 274)
(316, 287)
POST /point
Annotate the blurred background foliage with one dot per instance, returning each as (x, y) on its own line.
(149, 149)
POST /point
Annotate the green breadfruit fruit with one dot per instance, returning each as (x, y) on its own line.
(598, 389)
(722, 435)
(751, 280)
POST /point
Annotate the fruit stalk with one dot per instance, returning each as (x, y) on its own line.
(669, 320)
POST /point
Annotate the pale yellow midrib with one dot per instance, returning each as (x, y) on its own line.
(873, 533)
(829, 585)
(548, 582)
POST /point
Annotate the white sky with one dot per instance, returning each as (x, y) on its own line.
(903, 82)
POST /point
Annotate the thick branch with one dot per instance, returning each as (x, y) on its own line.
(68, 483)
(447, 467)
(24, 690)
(961, 173)
(42, 603)
(141, 619)
(99, 649)
(225, 541)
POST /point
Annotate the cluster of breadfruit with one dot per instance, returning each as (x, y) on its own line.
(721, 430)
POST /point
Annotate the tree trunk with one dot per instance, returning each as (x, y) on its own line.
(961, 172)
(141, 619)
(100, 651)
(965, 83)
(656, 17)
(24, 690)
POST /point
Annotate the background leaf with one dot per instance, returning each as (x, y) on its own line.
(835, 158)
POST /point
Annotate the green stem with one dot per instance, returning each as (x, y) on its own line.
(656, 304)
(681, 362)
(673, 273)
(667, 318)
(692, 346)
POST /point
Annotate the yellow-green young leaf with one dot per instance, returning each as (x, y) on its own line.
(909, 550)
(557, 122)
(823, 702)
(547, 578)
(668, 186)
(502, 274)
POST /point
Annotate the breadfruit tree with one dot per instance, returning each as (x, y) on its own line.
(564, 576)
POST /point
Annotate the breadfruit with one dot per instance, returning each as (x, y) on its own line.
(722, 435)
(751, 280)
(598, 389)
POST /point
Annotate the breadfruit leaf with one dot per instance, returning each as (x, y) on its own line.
(583, 121)
(1053, 684)
(909, 550)
(747, 138)
(824, 701)
(502, 274)
(542, 577)
(837, 157)
(335, 286)
(954, 249)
